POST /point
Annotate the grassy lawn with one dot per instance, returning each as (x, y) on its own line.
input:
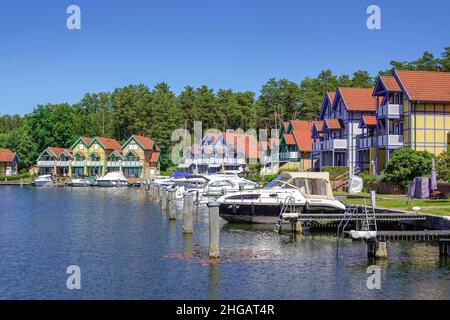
(437, 207)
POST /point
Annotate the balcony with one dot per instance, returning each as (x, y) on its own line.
(78, 164)
(390, 111)
(391, 140)
(93, 163)
(131, 164)
(291, 156)
(334, 144)
(113, 164)
(366, 143)
(50, 163)
(317, 146)
(209, 161)
(62, 163)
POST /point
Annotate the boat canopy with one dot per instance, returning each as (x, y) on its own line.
(180, 174)
(311, 184)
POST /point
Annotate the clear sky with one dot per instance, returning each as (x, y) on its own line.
(237, 44)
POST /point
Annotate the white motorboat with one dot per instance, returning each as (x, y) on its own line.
(113, 179)
(79, 182)
(44, 181)
(310, 192)
(220, 185)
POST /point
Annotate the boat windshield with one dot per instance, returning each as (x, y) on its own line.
(278, 184)
(314, 187)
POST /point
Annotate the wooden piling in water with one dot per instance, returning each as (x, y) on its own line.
(172, 205)
(214, 230)
(188, 203)
(381, 250)
(443, 248)
(164, 198)
(157, 194)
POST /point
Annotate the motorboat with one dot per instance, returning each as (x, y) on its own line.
(79, 182)
(113, 179)
(44, 181)
(307, 192)
(220, 185)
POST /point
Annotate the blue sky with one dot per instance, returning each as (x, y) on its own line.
(237, 44)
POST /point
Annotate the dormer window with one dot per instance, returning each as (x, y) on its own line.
(96, 146)
(132, 147)
(81, 146)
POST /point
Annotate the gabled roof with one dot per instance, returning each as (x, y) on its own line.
(66, 152)
(386, 84)
(333, 124)
(7, 155)
(154, 157)
(368, 121)
(318, 125)
(85, 140)
(145, 143)
(116, 153)
(289, 139)
(95, 153)
(246, 143)
(132, 152)
(302, 134)
(106, 143)
(327, 101)
(356, 99)
(424, 86)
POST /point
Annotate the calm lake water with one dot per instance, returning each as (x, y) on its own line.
(127, 249)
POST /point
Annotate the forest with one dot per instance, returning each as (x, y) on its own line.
(157, 111)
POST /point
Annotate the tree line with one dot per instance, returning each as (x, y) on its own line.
(157, 111)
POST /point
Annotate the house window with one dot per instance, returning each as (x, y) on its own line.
(81, 146)
(96, 146)
(132, 147)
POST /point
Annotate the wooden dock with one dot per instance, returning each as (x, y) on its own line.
(380, 216)
(413, 235)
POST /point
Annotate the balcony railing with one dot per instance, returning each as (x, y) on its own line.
(131, 163)
(317, 146)
(289, 155)
(392, 140)
(113, 164)
(63, 163)
(78, 163)
(390, 110)
(208, 161)
(335, 144)
(93, 163)
(50, 163)
(367, 142)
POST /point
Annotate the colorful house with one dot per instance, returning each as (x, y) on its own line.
(140, 157)
(80, 153)
(296, 145)
(55, 161)
(413, 111)
(100, 148)
(9, 162)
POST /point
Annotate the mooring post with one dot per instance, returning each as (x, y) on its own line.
(163, 198)
(371, 248)
(381, 250)
(299, 227)
(214, 230)
(172, 205)
(443, 248)
(188, 202)
(373, 199)
(157, 194)
(21, 182)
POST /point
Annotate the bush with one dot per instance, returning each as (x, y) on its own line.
(335, 171)
(254, 172)
(15, 177)
(443, 165)
(407, 164)
(368, 177)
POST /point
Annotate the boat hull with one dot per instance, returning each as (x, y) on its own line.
(41, 184)
(112, 184)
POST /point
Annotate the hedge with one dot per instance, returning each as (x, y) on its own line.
(335, 171)
(14, 177)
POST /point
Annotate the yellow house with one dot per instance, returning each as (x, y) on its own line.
(80, 151)
(99, 150)
(413, 110)
(140, 157)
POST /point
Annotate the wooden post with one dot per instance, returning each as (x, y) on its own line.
(371, 248)
(381, 250)
(298, 227)
(157, 194)
(188, 202)
(443, 248)
(372, 199)
(214, 230)
(21, 182)
(164, 198)
(172, 205)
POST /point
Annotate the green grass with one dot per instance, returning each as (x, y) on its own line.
(428, 206)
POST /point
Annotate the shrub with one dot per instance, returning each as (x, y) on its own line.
(407, 164)
(368, 177)
(443, 165)
(335, 171)
(15, 177)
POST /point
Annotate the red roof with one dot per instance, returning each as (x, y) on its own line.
(108, 143)
(334, 124)
(425, 86)
(358, 99)
(370, 121)
(246, 143)
(86, 139)
(286, 125)
(154, 157)
(302, 134)
(55, 150)
(146, 142)
(390, 83)
(7, 155)
(331, 95)
(289, 138)
(318, 125)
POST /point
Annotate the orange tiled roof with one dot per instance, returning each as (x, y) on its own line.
(108, 143)
(334, 124)
(331, 95)
(7, 155)
(425, 86)
(146, 142)
(318, 125)
(154, 157)
(358, 99)
(390, 83)
(289, 138)
(87, 140)
(302, 134)
(370, 121)
(246, 143)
